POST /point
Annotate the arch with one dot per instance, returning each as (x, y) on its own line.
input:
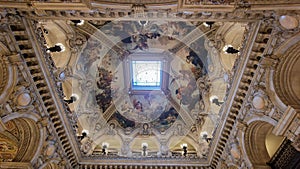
(286, 80)
(33, 116)
(255, 145)
(27, 135)
(114, 141)
(265, 119)
(153, 144)
(175, 143)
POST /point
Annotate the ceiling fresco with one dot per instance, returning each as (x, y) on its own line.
(156, 84)
(148, 88)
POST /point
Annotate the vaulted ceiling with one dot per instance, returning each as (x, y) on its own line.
(141, 83)
(111, 110)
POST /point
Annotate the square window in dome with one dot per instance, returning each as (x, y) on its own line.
(146, 75)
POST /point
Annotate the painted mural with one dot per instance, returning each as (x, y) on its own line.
(187, 66)
(143, 35)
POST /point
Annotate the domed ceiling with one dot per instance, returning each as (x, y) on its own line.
(146, 84)
(146, 88)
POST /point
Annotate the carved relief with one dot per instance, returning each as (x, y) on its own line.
(259, 100)
(77, 41)
(87, 145)
(51, 153)
(4, 77)
(8, 149)
(22, 99)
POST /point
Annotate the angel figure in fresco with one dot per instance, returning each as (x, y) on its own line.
(138, 106)
(185, 94)
(194, 59)
(140, 41)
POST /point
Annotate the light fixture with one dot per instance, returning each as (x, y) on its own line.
(183, 145)
(204, 136)
(208, 24)
(144, 149)
(104, 148)
(230, 50)
(61, 46)
(85, 131)
(184, 148)
(105, 144)
(73, 98)
(144, 145)
(143, 22)
(215, 100)
(56, 48)
(78, 22)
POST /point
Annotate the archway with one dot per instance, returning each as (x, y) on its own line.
(258, 142)
(22, 135)
(286, 79)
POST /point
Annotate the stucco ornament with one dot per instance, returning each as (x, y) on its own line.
(288, 22)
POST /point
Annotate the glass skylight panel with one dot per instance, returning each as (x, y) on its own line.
(146, 74)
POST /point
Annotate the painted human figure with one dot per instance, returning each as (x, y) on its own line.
(145, 129)
(184, 94)
(138, 106)
(111, 129)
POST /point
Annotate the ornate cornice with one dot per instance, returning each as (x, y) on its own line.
(34, 74)
(234, 105)
(236, 15)
(258, 37)
(51, 96)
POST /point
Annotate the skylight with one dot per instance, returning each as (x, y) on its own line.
(146, 75)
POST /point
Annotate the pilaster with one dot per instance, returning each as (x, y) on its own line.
(289, 124)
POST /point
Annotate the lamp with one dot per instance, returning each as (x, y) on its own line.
(205, 137)
(208, 24)
(230, 50)
(72, 99)
(78, 22)
(143, 22)
(56, 48)
(104, 148)
(144, 149)
(184, 148)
